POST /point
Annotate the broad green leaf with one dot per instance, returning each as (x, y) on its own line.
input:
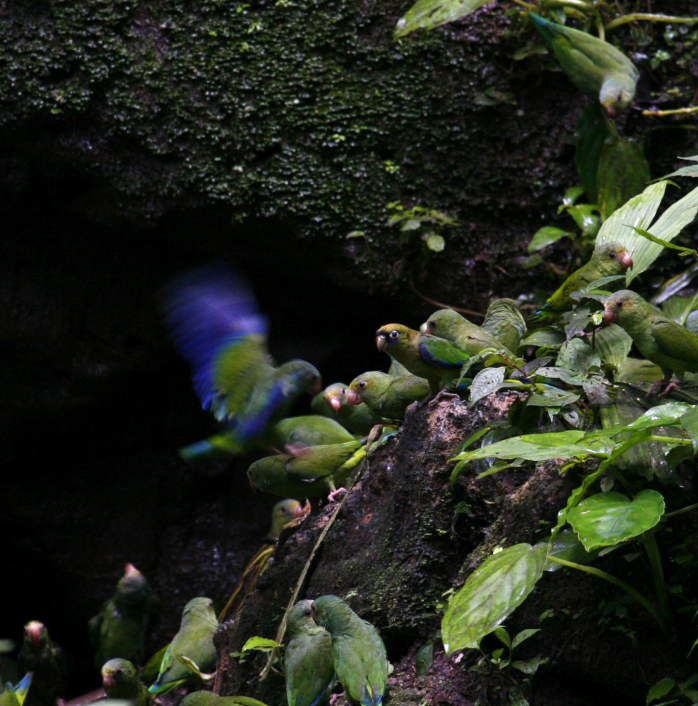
(424, 658)
(503, 636)
(578, 356)
(623, 172)
(660, 690)
(434, 242)
(592, 131)
(548, 337)
(613, 344)
(491, 593)
(428, 14)
(678, 308)
(261, 644)
(564, 374)
(666, 227)
(594, 289)
(607, 519)
(551, 396)
(487, 381)
(586, 216)
(572, 443)
(547, 235)
(638, 371)
(659, 416)
(692, 322)
(529, 666)
(567, 546)
(638, 212)
(523, 636)
(690, 170)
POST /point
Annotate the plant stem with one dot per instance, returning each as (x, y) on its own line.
(674, 111)
(681, 511)
(526, 5)
(635, 595)
(671, 440)
(650, 17)
(655, 559)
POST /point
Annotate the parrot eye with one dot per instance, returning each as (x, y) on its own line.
(620, 305)
(431, 325)
(362, 384)
(394, 335)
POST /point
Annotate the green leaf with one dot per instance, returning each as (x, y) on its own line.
(572, 443)
(491, 593)
(567, 546)
(666, 227)
(623, 172)
(551, 396)
(577, 356)
(523, 636)
(427, 14)
(568, 376)
(613, 345)
(660, 690)
(503, 636)
(547, 235)
(592, 131)
(529, 666)
(607, 519)
(260, 644)
(678, 308)
(547, 336)
(586, 217)
(690, 170)
(487, 381)
(424, 658)
(683, 252)
(659, 416)
(434, 242)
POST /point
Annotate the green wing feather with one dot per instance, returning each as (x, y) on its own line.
(441, 353)
(677, 343)
(505, 322)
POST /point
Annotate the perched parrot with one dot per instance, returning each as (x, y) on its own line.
(668, 344)
(286, 514)
(332, 402)
(387, 395)
(16, 694)
(309, 430)
(219, 330)
(45, 659)
(309, 662)
(208, 698)
(469, 337)
(121, 681)
(608, 260)
(312, 462)
(360, 661)
(505, 322)
(430, 357)
(118, 630)
(593, 65)
(193, 640)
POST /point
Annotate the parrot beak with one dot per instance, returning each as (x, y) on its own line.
(304, 510)
(353, 397)
(424, 328)
(108, 680)
(131, 570)
(626, 260)
(336, 403)
(34, 631)
(381, 341)
(608, 316)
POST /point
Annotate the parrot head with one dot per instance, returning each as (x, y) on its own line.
(443, 323)
(132, 588)
(267, 472)
(622, 307)
(35, 632)
(360, 384)
(616, 253)
(199, 608)
(335, 395)
(391, 335)
(615, 97)
(117, 672)
(287, 513)
(305, 375)
(300, 617)
(331, 613)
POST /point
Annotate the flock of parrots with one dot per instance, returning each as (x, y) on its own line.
(218, 328)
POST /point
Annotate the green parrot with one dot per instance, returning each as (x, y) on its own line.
(387, 395)
(271, 475)
(118, 630)
(45, 659)
(309, 430)
(121, 681)
(360, 660)
(218, 328)
(332, 402)
(208, 698)
(193, 640)
(430, 357)
(286, 514)
(607, 260)
(593, 65)
(16, 694)
(659, 339)
(312, 462)
(309, 662)
(469, 337)
(505, 322)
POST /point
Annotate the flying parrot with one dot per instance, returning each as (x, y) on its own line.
(121, 681)
(505, 322)
(607, 260)
(387, 395)
(430, 357)
(659, 339)
(593, 65)
(218, 328)
(45, 659)
(284, 515)
(308, 660)
(360, 660)
(16, 694)
(194, 640)
(309, 430)
(332, 402)
(118, 630)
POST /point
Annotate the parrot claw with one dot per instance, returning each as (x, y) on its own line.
(334, 698)
(337, 494)
(670, 387)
